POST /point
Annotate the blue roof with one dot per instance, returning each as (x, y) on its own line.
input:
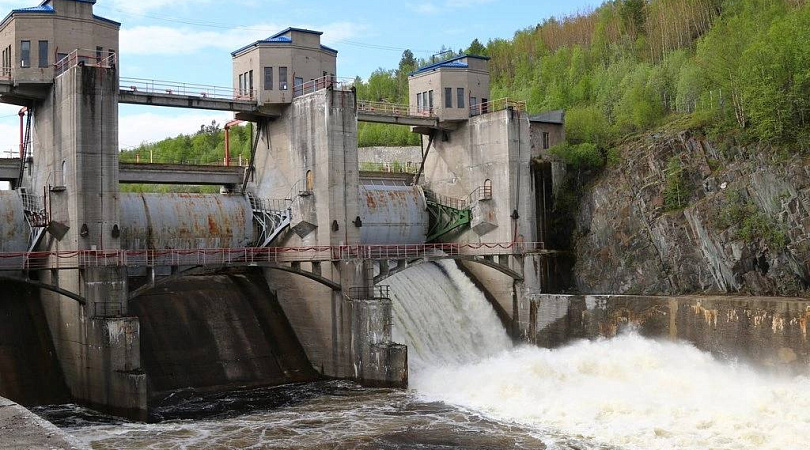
(92, 2)
(46, 8)
(279, 38)
(104, 19)
(40, 8)
(455, 63)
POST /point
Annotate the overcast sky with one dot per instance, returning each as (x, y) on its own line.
(191, 41)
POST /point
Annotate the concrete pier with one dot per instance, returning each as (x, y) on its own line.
(76, 156)
(492, 150)
(309, 155)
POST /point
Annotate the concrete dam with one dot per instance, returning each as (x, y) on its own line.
(308, 278)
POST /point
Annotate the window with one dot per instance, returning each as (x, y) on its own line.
(111, 57)
(7, 62)
(430, 100)
(282, 78)
(99, 54)
(448, 97)
(546, 140)
(484, 106)
(460, 92)
(298, 86)
(310, 181)
(474, 106)
(268, 78)
(419, 102)
(43, 53)
(250, 83)
(25, 54)
(241, 84)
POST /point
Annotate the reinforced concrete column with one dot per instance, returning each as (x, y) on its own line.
(309, 155)
(76, 164)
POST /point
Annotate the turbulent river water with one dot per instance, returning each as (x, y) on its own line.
(471, 388)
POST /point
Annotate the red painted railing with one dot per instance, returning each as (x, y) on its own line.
(251, 256)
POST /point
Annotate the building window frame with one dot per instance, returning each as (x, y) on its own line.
(448, 97)
(268, 78)
(43, 54)
(546, 140)
(418, 102)
(283, 81)
(430, 100)
(460, 93)
(99, 55)
(25, 54)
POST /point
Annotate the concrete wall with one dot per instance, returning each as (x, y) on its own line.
(380, 155)
(318, 134)
(98, 345)
(217, 332)
(493, 147)
(29, 371)
(765, 331)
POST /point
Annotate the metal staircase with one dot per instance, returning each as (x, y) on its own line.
(446, 215)
(272, 217)
(36, 215)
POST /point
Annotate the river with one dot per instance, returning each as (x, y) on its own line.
(471, 388)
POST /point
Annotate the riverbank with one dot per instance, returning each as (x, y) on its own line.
(22, 429)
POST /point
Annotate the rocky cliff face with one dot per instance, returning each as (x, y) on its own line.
(680, 214)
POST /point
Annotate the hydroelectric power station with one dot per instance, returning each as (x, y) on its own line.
(115, 300)
(281, 277)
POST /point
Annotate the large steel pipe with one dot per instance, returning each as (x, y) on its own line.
(185, 221)
(393, 215)
(14, 229)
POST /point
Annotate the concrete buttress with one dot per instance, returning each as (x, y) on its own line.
(309, 155)
(75, 160)
(494, 150)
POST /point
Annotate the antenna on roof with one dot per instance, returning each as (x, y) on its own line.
(433, 56)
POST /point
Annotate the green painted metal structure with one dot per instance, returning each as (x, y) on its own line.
(446, 215)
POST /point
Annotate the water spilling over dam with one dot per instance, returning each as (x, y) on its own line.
(471, 388)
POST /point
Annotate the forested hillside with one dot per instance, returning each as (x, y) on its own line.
(737, 67)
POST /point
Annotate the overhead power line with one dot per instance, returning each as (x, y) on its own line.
(224, 26)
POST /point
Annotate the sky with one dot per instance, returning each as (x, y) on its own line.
(191, 41)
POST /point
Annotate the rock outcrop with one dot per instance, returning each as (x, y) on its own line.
(680, 215)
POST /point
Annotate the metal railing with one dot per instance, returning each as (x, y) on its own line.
(319, 84)
(407, 167)
(497, 105)
(480, 193)
(393, 109)
(382, 292)
(158, 87)
(146, 161)
(450, 202)
(269, 204)
(252, 256)
(87, 58)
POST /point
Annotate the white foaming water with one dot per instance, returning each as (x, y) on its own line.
(630, 391)
(443, 318)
